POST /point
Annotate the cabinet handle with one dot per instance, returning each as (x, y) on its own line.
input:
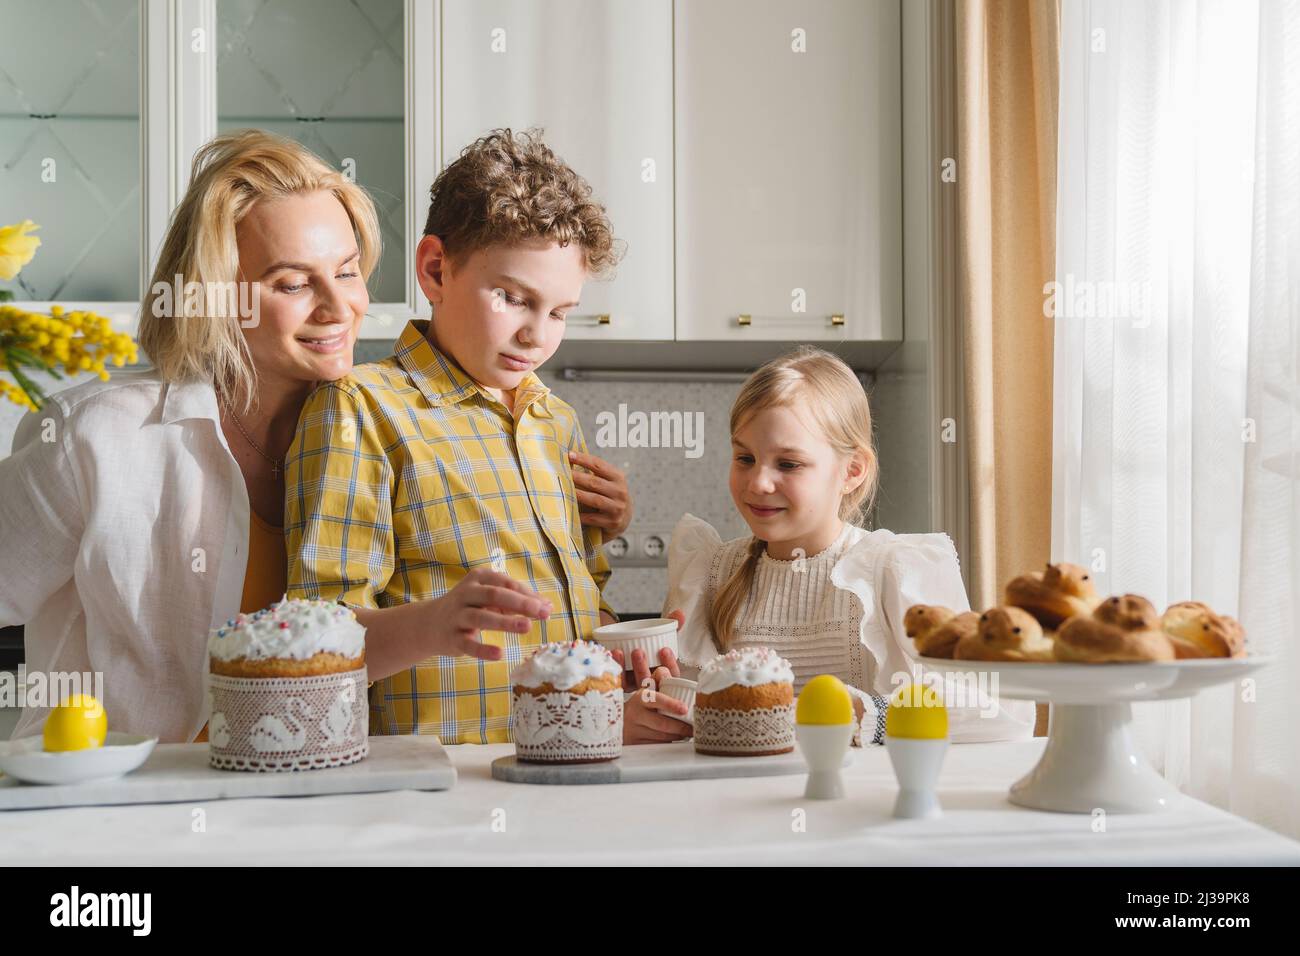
(746, 320)
(589, 319)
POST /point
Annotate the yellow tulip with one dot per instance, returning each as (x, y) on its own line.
(17, 247)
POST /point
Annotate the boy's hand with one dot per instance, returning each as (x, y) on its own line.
(644, 720)
(640, 672)
(603, 497)
(484, 600)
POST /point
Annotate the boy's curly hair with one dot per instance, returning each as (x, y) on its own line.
(507, 187)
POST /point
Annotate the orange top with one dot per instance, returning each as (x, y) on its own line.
(266, 576)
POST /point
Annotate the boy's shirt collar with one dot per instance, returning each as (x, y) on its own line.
(442, 382)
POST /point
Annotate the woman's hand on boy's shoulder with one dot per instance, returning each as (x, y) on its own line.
(604, 500)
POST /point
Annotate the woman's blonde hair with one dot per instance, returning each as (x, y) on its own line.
(838, 404)
(230, 174)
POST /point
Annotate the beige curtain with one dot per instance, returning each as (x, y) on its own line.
(1007, 54)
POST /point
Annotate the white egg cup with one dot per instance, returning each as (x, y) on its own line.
(916, 763)
(823, 747)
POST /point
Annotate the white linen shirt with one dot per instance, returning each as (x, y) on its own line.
(839, 612)
(123, 541)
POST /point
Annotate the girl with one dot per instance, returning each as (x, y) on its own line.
(818, 589)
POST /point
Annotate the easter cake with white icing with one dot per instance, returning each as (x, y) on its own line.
(744, 704)
(567, 704)
(294, 638)
(287, 689)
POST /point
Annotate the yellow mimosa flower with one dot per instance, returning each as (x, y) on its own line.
(17, 247)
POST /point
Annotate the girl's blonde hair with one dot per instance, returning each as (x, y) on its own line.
(838, 404)
(230, 174)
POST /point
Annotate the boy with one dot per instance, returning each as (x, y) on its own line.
(443, 472)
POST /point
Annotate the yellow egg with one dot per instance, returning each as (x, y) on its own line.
(916, 711)
(824, 700)
(79, 723)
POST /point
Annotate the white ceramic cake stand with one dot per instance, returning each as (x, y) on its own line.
(1091, 760)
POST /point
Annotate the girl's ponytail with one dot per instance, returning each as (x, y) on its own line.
(726, 604)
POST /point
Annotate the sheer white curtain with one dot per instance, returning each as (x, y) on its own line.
(1176, 405)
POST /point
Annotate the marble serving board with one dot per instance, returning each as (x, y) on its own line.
(180, 773)
(642, 762)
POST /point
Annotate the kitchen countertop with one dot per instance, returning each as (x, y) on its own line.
(736, 821)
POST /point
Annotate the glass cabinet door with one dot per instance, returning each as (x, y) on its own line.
(70, 145)
(329, 74)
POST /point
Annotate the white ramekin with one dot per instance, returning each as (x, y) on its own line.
(679, 688)
(650, 636)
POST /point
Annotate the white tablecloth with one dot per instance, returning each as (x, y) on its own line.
(484, 821)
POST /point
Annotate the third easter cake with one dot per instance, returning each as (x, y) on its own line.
(744, 705)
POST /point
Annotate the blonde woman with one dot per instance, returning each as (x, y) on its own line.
(141, 512)
(807, 581)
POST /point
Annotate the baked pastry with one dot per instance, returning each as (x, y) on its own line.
(298, 638)
(1196, 631)
(936, 630)
(1053, 595)
(1124, 628)
(1005, 634)
(567, 704)
(287, 689)
(744, 704)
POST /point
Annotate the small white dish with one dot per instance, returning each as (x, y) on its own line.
(26, 759)
(680, 688)
(650, 636)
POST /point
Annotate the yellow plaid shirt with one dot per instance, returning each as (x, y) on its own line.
(404, 476)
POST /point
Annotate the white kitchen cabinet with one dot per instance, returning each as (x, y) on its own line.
(597, 76)
(789, 189)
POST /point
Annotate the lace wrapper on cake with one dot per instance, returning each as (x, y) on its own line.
(272, 724)
(567, 728)
(762, 730)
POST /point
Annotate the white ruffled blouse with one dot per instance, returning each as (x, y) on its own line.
(836, 612)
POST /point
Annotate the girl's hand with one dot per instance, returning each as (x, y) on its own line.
(483, 600)
(603, 497)
(644, 720)
(640, 673)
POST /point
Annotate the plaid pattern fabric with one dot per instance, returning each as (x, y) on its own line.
(404, 476)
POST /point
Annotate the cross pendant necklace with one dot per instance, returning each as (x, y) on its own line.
(275, 463)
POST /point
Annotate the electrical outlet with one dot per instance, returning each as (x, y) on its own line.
(640, 548)
(618, 549)
(654, 546)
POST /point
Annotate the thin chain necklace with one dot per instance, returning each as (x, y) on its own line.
(275, 463)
